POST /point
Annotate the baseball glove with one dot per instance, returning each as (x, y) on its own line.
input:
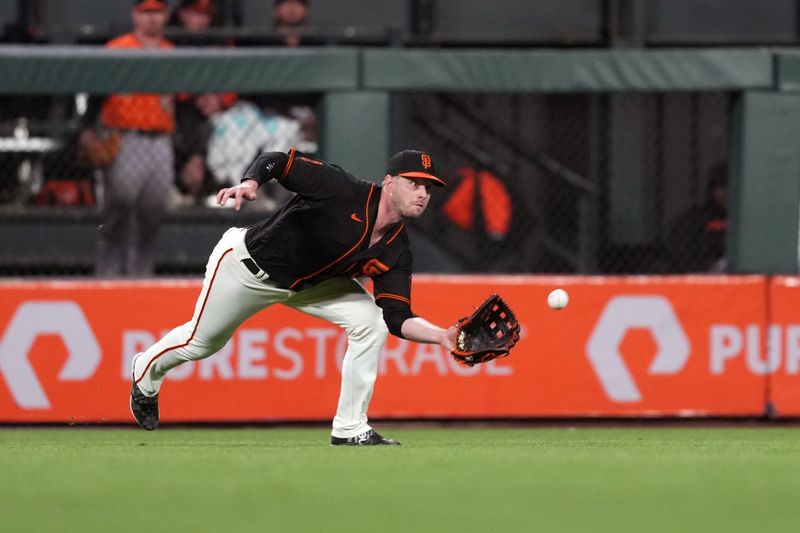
(488, 333)
(98, 149)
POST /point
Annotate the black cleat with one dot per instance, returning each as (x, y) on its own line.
(144, 408)
(368, 438)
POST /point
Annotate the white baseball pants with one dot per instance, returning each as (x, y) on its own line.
(231, 294)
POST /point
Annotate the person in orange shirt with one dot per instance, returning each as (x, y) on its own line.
(138, 183)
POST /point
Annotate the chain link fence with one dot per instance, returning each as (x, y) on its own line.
(576, 183)
(80, 198)
(597, 183)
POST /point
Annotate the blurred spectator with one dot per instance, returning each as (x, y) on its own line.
(698, 237)
(230, 136)
(216, 135)
(194, 15)
(193, 177)
(140, 175)
(290, 17)
(240, 133)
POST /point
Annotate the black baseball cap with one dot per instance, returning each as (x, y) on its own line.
(414, 164)
(151, 5)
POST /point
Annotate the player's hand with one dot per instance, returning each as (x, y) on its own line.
(448, 340)
(246, 190)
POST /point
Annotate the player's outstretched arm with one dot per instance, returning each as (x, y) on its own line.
(418, 329)
(245, 190)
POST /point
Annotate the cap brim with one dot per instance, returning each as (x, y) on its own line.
(423, 176)
(152, 5)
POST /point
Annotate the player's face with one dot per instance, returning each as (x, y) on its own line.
(410, 196)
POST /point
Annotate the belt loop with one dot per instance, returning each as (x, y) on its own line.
(254, 268)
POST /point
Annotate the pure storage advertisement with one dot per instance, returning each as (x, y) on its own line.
(624, 346)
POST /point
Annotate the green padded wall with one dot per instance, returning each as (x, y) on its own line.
(72, 69)
(765, 184)
(66, 70)
(566, 70)
(356, 132)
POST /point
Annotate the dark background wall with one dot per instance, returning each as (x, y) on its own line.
(600, 155)
(453, 22)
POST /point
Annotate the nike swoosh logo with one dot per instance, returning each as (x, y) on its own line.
(355, 217)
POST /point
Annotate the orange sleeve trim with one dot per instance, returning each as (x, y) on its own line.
(348, 252)
(288, 163)
(196, 323)
(396, 233)
(393, 296)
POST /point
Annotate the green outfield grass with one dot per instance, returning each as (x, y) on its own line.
(632, 479)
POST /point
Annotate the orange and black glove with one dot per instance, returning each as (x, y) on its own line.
(488, 333)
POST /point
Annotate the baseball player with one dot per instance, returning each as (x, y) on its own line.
(309, 256)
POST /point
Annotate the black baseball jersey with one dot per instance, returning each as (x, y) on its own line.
(324, 232)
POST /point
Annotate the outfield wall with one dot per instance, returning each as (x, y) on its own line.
(624, 347)
(763, 228)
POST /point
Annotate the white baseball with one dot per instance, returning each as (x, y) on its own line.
(558, 299)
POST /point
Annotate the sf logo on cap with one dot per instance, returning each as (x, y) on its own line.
(426, 160)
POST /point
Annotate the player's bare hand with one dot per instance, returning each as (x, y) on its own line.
(448, 340)
(245, 190)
